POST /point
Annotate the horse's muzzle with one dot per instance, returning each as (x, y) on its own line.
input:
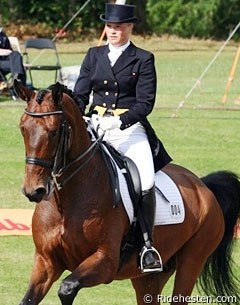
(35, 195)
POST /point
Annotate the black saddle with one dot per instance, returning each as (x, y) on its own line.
(129, 170)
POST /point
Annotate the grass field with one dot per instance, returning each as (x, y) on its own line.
(16, 260)
(202, 137)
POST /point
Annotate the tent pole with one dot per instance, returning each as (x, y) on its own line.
(231, 75)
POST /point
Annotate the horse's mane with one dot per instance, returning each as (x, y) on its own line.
(41, 94)
(55, 88)
(62, 88)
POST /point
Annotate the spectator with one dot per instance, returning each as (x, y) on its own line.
(10, 61)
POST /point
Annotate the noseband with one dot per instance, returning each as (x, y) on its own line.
(58, 165)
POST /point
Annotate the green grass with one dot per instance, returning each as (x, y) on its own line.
(202, 137)
(11, 158)
(202, 141)
(15, 268)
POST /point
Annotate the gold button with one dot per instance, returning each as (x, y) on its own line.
(113, 105)
(104, 104)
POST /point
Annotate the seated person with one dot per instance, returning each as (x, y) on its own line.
(10, 61)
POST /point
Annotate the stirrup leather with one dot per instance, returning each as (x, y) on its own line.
(144, 251)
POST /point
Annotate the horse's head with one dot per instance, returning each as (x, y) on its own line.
(50, 127)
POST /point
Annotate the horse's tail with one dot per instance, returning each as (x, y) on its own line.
(217, 278)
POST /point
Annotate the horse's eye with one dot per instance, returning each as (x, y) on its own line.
(53, 133)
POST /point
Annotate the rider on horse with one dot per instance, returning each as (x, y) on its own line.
(122, 78)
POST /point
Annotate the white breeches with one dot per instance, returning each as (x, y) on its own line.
(133, 143)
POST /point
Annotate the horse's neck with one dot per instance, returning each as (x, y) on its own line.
(89, 169)
(81, 145)
(80, 140)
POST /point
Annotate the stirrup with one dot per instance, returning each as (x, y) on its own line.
(153, 250)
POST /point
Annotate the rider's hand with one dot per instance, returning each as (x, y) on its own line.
(110, 122)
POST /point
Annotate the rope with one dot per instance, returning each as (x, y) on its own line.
(64, 27)
(71, 19)
(181, 104)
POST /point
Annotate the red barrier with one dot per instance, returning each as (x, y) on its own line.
(16, 222)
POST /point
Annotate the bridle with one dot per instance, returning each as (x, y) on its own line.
(39, 161)
(59, 163)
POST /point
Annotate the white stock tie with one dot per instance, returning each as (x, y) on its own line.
(113, 56)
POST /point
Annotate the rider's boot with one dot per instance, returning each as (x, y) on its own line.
(150, 259)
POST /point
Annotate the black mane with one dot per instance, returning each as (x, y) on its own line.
(41, 94)
(60, 87)
(56, 89)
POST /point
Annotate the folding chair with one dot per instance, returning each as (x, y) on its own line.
(36, 61)
(7, 79)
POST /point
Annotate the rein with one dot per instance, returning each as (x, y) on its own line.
(58, 165)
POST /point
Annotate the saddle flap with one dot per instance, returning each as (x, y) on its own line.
(134, 178)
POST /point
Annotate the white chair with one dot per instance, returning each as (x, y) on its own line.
(69, 76)
(15, 43)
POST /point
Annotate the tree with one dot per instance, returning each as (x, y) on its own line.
(226, 18)
(185, 18)
(142, 27)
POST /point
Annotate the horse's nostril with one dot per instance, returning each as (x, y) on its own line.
(37, 195)
(41, 191)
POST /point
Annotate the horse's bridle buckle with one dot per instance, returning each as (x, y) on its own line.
(55, 177)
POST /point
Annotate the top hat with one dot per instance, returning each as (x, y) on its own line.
(119, 13)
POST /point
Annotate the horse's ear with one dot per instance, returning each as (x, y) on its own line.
(23, 92)
(57, 93)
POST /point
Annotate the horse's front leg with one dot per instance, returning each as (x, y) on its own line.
(97, 269)
(44, 274)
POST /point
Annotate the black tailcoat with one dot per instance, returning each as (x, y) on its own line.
(129, 84)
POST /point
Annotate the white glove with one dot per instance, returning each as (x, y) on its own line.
(110, 122)
(94, 121)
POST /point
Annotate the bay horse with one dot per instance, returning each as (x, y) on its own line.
(76, 228)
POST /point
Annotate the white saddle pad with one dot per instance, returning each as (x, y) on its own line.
(169, 203)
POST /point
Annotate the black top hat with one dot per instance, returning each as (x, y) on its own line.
(119, 13)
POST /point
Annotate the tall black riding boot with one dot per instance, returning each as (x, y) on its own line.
(150, 259)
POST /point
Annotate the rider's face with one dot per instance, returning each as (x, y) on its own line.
(118, 33)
